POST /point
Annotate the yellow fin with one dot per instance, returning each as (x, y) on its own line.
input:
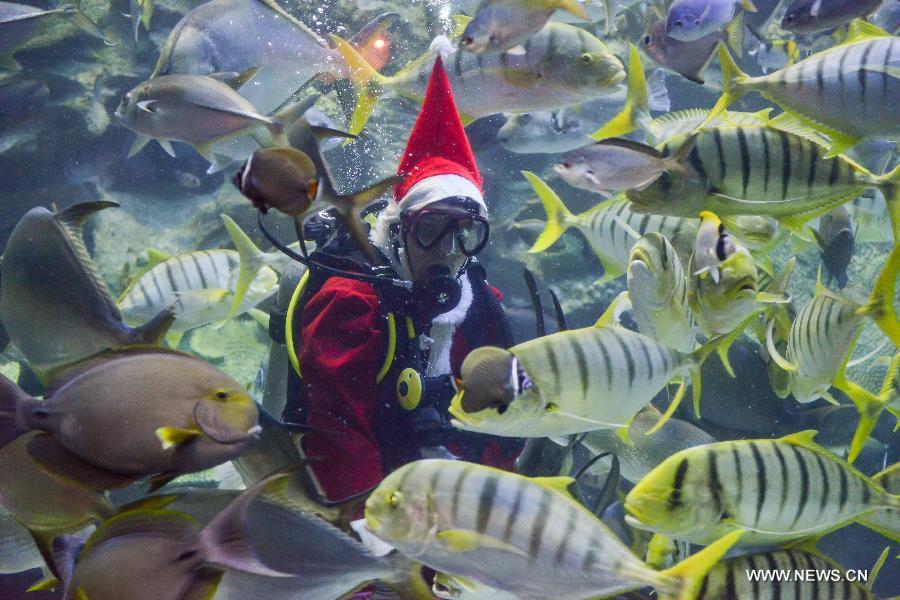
(860, 30)
(80, 594)
(636, 104)
(47, 583)
(732, 85)
(691, 571)
(174, 436)
(466, 540)
(571, 6)
(559, 483)
(610, 317)
(559, 217)
(804, 439)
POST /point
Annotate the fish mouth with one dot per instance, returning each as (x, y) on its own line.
(641, 256)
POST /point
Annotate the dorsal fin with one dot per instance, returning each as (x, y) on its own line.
(72, 219)
(165, 523)
(558, 483)
(861, 30)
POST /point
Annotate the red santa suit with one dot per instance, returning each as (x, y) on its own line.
(361, 433)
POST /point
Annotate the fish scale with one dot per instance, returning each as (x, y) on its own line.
(778, 490)
(728, 579)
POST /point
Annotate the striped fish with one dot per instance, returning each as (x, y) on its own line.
(821, 341)
(776, 490)
(611, 227)
(759, 170)
(561, 66)
(568, 382)
(200, 285)
(492, 526)
(658, 289)
(728, 580)
(849, 91)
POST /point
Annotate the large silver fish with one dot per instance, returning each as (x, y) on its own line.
(55, 307)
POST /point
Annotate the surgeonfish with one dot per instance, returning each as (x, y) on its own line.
(196, 109)
(759, 170)
(19, 22)
(690, 20)
(166, 555)
(570, 382)
(658, 290)
(641, 451)
(611, 227)
(846, 91)
(812, 16)
(54, 305)
(477, 522)
(775, 490)
(564, 66)
(174, 414)
(200, 285)
(501, 25)
(836, 239)
(729, 578)
(821, 341)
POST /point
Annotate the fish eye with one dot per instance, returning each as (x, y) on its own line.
(587, 58)
(221, 395)
(697, 22)
(468, 40)
(665, 178)
(679, 23)
(648, 40)
(395, 499)
(525, 118)
(789, 18)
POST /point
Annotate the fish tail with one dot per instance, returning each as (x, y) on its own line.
(880, 306)
(225, 541)
(85, 22)
(571, 6)
(558, 216)
(636, 110)
(732, 88)
(252, 259)
(690, 573)
(12, 423)
(368, 82)
(889, 183)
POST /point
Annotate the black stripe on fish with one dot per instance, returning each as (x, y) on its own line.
(740, 476)
(717, 136)
(782, 465)
(516, 507)
(804, 484)
(581, 364)
(862, 74)
(675, 495)
(629, 360)
(745, 159)
(785, 163)
(842, 474)
(457, 489)
(486, 502)
(715, 485)
(813, 165)
(767, 166)
(760, 480)
(539, 523)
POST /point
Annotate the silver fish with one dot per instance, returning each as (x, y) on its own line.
(812, 16)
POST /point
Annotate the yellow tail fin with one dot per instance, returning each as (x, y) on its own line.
(636, 105)
(732, 90)
(368, 83)
(252, 260)
(559, 218)
(890, 185)
(690, 572)
(880, 306)
(571, 6)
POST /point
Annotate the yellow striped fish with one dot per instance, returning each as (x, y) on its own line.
(569, 382)
(611, 227)
(849, 91)
(777, 490)
(200, 285)
(821, 341)
(775, 170)
(492, 526)
(729, 579)
(658, 290)
(561, 65)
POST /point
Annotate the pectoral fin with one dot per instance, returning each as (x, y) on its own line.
(176, 436)
(466, 540)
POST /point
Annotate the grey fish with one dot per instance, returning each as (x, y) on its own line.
(836, 239)
(164, 554)
(18, 551)
(55, 307)
(689, 20)
(173, 414)
(19, 99)
(234, 35)
(688, 59)
(500, 25)
(812, 16)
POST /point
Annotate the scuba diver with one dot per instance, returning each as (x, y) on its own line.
(370, 366)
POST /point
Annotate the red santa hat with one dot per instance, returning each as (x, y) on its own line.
(438, 162)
